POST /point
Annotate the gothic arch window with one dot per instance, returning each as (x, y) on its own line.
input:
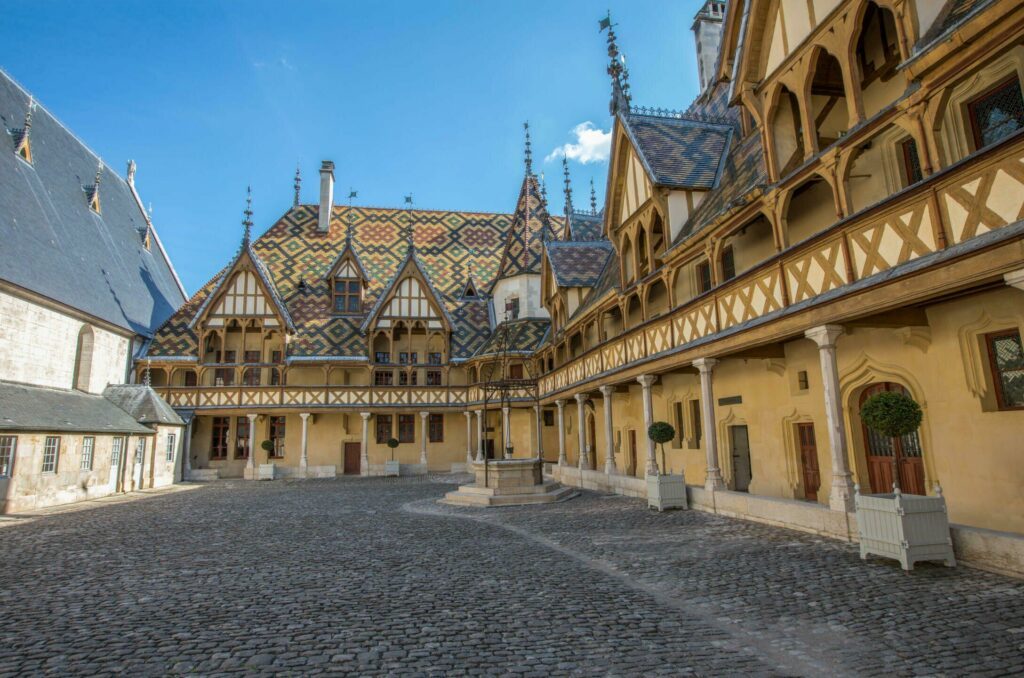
(83, 358)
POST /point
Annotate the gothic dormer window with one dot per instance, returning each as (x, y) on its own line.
(348, 295)
(512, 308)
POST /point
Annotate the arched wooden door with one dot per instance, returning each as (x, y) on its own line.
(884, 454)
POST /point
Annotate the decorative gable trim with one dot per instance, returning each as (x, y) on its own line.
(347, 265)
(250, 280)
(410, 299)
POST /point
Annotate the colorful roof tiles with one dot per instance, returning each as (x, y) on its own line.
(578, 264)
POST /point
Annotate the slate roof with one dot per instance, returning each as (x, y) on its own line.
(531, 227)
(608, 281)
(952, 14)
(36, 408)
(578, 264)
(143, 404)
(522, 335)
(450, 246)
(55, 246)
(679, 152)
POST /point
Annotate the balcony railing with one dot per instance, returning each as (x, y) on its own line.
(978, 195)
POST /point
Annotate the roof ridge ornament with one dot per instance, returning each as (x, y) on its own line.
(616, 69)
(298, 185)
(92, 193)
(528, 153)
(568, 185)
(22, 145)
(593, 198)
(247, 222)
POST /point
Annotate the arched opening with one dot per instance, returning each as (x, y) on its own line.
(591, 339)
(611, 322)
(658, 240)
(628, 270)
(471, 375)
(828, 109)
(746, 247)
(157, 376)
(83, 359)
(892, 460)
(878, 56)
(634, 312)
(575, 345)
(787, 133)
(884, 164)
(657, 299)
(643, 262)
(811, 210)
(381, 348)
(184, 377)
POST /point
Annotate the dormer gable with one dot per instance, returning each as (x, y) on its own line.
(245, 290)
(92, 193)
(469, 290)
(409, 296)
(347, 280)
(23, 136)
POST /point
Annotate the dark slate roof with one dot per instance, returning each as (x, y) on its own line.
(54, 245)
(578, 264)
(951, 15)
(142, 403)
(522, 335)
(586, 227)
(531, 227)
(679, 152)
(36, 408)
(606, 282)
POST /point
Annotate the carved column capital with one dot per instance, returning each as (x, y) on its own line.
(647, 380)
(705, 365)
(824, 335)
(364, 415)
(606, 391)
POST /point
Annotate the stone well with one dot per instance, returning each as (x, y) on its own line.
(508, 482)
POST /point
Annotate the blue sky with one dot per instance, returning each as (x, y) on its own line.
(421, 98)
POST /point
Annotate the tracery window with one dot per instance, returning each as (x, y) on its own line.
(1006, 358)
(997, 113)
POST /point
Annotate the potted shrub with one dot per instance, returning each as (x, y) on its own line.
(906, 527)
(664, 490)
(392, 467)
(266, 471)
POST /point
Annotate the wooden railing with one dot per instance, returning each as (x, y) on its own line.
(975, 196)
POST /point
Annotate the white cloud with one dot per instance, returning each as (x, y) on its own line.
(280, 62)
(592, 145)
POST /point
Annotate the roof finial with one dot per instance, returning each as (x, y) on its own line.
(543, 189)
(568, 186)
(352, 194)
(146, 377)
(298, 185)
(21, 137)
(130, 174)
(28, 113)
(593, 198)
(528, 155)
(616, 69)
(99, 171)
(247, 222)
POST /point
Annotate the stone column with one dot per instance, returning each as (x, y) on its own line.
(186, 450)
(506, 439)
(562, 460)
(609, 446)
(841, 496)
(423, 441)
(646, 381)
(251, 461)
(480, 435)
(364, 450)
(469, 438)
(540, 431)
(304, 459)
(584, 460)
(713, 476)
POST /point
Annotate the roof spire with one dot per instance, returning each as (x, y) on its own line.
(568, 186)
(528, 154)
(298, 185)
(593, 198)
(247, 222)
(616, 69)
(543, 189)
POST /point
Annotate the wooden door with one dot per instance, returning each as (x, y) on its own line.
(631, 462)
(592, 456)
(353, 451)
(741, 471)
(809, 460)
(886, 455)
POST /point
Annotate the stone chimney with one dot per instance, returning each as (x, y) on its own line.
(326, 196)
(707, 33)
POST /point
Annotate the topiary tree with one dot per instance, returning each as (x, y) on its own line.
(891, 414)
(268, 447)
(392, 443)
(661, 432)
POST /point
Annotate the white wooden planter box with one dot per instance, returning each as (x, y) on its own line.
(666, 492)
(906, 527)
(392, 468)
(265, 472)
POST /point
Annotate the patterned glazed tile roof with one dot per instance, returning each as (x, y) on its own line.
(53, 244)
(531, 226)
(522, 335)
(578, 264)
(450, 246)
(586, 227)
(679, 152)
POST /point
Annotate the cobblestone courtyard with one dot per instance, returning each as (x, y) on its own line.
(372, 576)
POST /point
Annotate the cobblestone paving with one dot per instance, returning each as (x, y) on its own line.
(373, 577)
